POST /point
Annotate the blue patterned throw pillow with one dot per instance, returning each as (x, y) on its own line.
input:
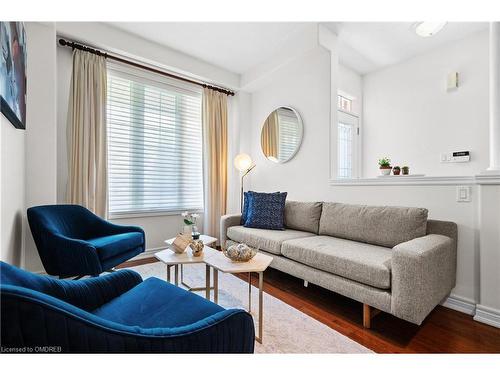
(244, 212)
(246, 200)
(266, 211)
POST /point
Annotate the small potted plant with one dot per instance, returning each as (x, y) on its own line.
(405, 170)
(385, 166)
(396, 170)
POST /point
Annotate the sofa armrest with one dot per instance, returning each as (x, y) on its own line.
(227, 221)
(423, 273)
(89, 294)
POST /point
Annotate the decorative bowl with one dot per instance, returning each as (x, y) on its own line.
(240, 253)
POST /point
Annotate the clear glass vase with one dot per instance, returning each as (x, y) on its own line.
(195, 232)
(188, 229)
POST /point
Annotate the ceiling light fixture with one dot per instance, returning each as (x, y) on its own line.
(426, 29)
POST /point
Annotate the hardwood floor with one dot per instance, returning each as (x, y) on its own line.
(444, 330)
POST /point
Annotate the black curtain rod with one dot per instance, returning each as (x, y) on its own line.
(75, 45)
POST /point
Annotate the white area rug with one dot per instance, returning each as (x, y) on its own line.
(286, 329)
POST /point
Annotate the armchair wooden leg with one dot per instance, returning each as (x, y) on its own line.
(368, 313)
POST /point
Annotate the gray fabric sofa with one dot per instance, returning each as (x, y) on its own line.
(391, 259)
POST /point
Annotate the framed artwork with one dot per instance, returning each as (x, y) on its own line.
(13, 72)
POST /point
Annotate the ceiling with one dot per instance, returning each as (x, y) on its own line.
(238, 46)
(234, 46)
(369, 46)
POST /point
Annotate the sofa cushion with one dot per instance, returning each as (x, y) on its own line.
(264, 239)
(156, 303)
(111, 246)
(303, 216)
(365, 263)
(266, 210)
(378, 225)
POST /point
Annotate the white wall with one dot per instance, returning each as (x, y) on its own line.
(305, 177)
(28, 157)
(409, 116)
(12, 185)
(303, 84)
(488, 309)
(41, 127)
(64, 63)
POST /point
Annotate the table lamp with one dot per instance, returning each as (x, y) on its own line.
(243, 163)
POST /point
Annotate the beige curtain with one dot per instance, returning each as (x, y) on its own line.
(270, 136)
(87, 180)
(215, 157)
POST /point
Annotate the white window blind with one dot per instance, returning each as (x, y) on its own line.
(155, 159)
(288, 133)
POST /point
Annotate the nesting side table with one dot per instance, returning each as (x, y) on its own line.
(258, 264)
(170, 258)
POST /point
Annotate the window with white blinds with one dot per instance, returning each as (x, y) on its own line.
(289, 136)
(155, 159)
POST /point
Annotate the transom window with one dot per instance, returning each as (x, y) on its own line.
(344, 103)
(155, 159)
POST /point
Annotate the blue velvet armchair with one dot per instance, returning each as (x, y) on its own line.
(72, 241)
(115, 313)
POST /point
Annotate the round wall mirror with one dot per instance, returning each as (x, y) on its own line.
(281, 134)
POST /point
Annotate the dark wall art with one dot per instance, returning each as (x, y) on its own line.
(13, 72)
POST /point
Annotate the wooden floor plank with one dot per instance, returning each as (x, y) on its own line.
(443, 331)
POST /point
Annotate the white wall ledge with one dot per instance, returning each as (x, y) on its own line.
(414, 180)
(488, 178)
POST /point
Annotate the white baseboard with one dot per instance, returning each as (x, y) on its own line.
(487, 315)
(462, 304)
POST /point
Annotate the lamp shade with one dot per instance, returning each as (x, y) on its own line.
(242, 162)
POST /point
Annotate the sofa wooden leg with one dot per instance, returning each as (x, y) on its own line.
(368, 313)
(367, 316)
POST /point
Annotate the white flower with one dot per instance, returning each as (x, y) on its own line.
(195, 215)
(185, 213)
